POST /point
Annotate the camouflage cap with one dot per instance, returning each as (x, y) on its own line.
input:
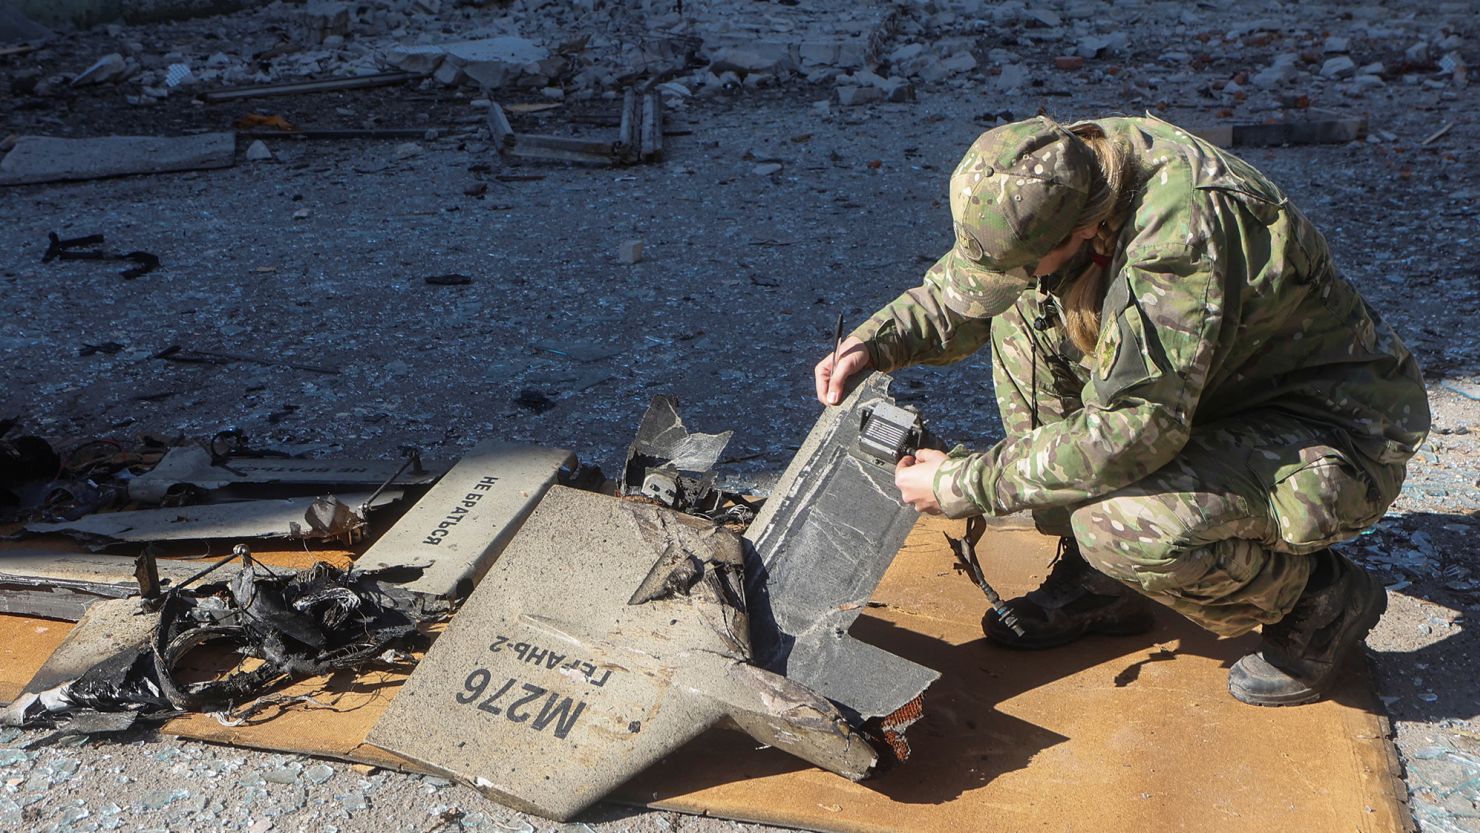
(1016, 195)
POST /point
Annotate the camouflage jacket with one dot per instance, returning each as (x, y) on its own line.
(1222, 300)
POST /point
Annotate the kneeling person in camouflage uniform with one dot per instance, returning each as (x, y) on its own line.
(1193, 396)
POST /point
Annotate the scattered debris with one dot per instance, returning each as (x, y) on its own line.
(256, 121)
(340, 133)
(36, 159)
(817, 551)
(178, 75)
(451, 279)
(651, 144)
(296, 625)
(491, 63)
(1341, 66)
(630, 252)
(111, 67)
(1437, 134)
(176, 353)
(670, 465)
(639, 136)
(611, 633)
(258, 152)
(107, 348)
(59, 249)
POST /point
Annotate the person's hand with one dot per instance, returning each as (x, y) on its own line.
(852, 357)
(915, 479)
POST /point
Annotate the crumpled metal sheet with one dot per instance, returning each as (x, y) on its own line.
(663, 441)
(816, 553)
(64, 585)
(310, 519)
(609, 633)
(195, 467)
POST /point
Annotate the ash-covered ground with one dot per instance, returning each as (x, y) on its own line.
(776, 209)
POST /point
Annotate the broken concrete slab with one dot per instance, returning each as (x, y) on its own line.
(36, 159)
(193, 466)
(490, 62)
(817, 550)
(609, 634)
(459, 528)
(309, 519)
(794, 38)
(65, 585)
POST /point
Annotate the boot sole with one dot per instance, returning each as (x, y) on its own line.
(1003, 636)
(1362, 626)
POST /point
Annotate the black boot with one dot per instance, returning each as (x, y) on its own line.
(1303, 653)
(1074, 600)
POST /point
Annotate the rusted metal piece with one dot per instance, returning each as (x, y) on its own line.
(892, 726)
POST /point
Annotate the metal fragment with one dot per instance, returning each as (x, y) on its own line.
(817, 551)
(555, 683)
(320, 518)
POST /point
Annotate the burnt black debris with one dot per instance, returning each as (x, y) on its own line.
(296, 624)
(79, 248)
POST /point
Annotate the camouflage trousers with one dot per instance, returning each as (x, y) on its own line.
(1221, 533)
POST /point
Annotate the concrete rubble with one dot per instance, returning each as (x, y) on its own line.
(870, 56)
(491, 63)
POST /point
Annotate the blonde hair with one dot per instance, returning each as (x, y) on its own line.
(1106, 213)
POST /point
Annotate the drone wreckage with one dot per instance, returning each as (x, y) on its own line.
(598, 631)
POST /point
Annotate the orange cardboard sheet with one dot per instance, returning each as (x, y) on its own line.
(25, 643)
(1130, 733)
